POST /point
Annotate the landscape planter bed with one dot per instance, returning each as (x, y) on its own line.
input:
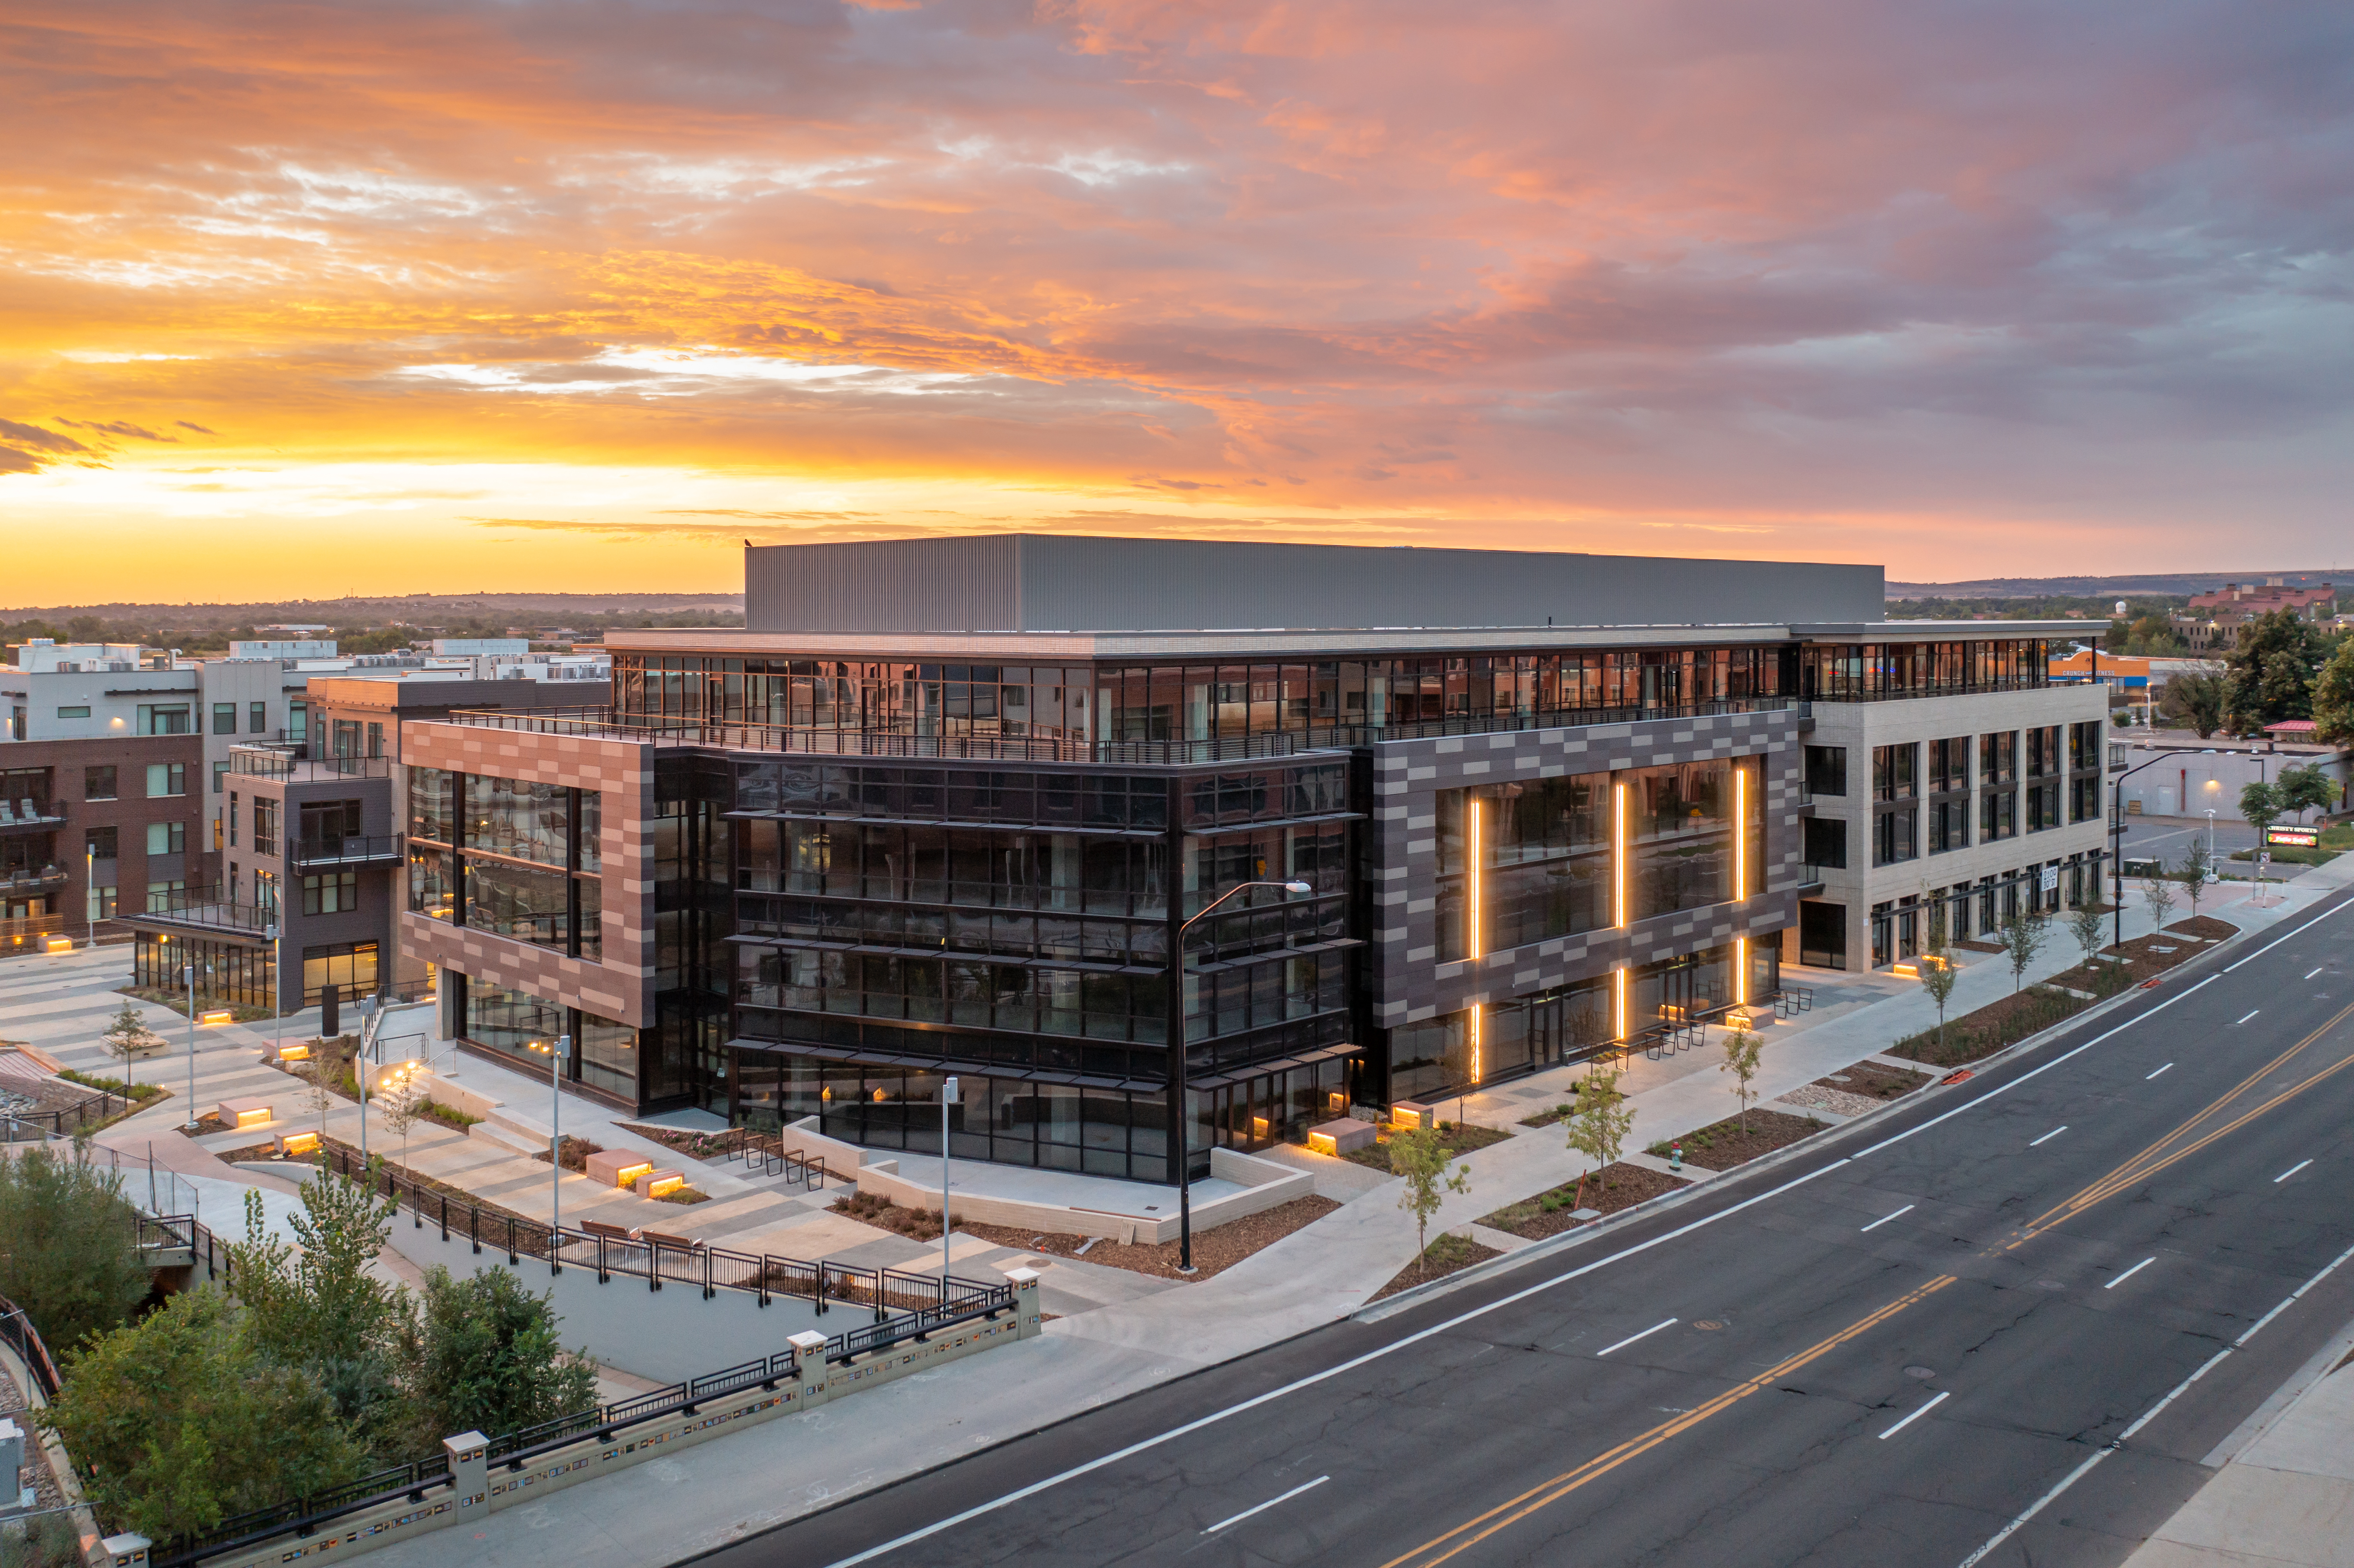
(1607, 1191)
(1727, 1144)
(1459, 1138)
(1446, 1254)
(1216, 1249)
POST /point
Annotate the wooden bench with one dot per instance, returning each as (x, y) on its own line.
(663, 1238)
(609, 1231)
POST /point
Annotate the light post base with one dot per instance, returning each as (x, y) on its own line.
(1187, 1268)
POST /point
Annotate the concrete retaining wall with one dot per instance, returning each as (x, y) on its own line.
(1266, 1184)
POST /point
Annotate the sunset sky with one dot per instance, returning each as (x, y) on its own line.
(309, 300)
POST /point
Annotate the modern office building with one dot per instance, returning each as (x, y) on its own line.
(953, 806)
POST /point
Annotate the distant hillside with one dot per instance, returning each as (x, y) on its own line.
(2173, 585)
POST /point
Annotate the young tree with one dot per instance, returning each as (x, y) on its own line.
(69, 1246)
(2197, 871)
(1939, 976)
(2021, 936)
(483, 1356)
(180, 1420)
(128, 1035)
(1598, 1127)
(1421, 1158)
(2090, 927)
(317, 1073)
(2158, 897)
(1742, 1049)
(2303, 789)
(400, 1101)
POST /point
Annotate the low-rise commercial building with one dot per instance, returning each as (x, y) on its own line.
(1461, 815)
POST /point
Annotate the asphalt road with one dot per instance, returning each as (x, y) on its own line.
(1886, 1350)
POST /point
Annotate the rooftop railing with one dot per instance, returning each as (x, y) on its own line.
(348, 850)
(292, 764)
(204, 909)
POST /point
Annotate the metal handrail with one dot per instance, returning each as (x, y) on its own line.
(26, 1340)
(349, 849)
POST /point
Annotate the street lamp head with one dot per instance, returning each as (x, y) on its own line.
(1298, 888)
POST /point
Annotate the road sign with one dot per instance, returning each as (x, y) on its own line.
(2292, 837)
(2051, 882)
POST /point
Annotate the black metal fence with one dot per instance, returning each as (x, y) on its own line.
(26, 1340)
(103, 1106)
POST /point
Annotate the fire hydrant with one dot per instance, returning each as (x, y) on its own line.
(1676, 1156)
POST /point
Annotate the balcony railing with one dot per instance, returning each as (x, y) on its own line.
(290, 764)
(203, 908)
(31, 815)
(34, 881)
(350, 850)
(605, 724)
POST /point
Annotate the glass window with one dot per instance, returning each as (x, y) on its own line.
(431, 805)
(168, 838)
(224, 718)
(517, 817)
(1680, 829)
(98, 783)
(429, 892)
(257, 718)
(512, 1021)
(348, 966)
(516, 901)
(608, 1054)
(164, 719)
(78, 711)
(165, 779)
(1827, 769)
(331, 893)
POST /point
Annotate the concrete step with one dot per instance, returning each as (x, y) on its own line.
(522, 1140)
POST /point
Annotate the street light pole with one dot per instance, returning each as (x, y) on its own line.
(948, 1098)
(188, 973)
(2118, 848)
(1184, 1098)
(563, 1048)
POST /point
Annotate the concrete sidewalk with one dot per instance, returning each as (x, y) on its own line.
(2287, 1497)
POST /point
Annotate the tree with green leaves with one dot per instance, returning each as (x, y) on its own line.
(1421, 1158)
(316, 1307)
(2333, 698)
(483, 1356)
(2195, 700)
(1597, 1128)
(2303, 789)
(2090, 927)
(1938, 974)
(69, 1245)
(182, 1419)
(2260, 804)
(127, 1037)
(2021, 936)
(2269, 674)
(1742, 1049)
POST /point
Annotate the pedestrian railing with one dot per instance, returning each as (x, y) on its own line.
(18, 1330)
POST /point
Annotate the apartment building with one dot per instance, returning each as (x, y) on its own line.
(306, 834)
(2210, 622)
(965, 807)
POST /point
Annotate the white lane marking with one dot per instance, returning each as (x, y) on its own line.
(2129, 1274)
(2291, 1171)
(2285, 935)
(2050, 1136)
(1146, 1443)
(2032, 1072)
(2252, 1012)
(1632, 1338)
(1916, 1415)
(1885, 1218)
(2167, 1068)
(2072, 1476)
(1266, 1505)
(2314, 971)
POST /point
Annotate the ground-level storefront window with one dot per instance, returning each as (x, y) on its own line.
(225, 972)
(517, 1024)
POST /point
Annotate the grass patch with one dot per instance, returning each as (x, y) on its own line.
(685, 1195)
(1460, 1137)
(1447, 1255)
(448, 1116)
(140, 1092)
(2335, 842)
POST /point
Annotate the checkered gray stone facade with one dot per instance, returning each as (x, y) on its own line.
(1410, 984)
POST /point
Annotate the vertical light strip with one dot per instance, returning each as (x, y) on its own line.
(1475, 883)
(1740, 971)
(1740, 831)
(1618, 1003)
(1618, 855)
(1475, 1013)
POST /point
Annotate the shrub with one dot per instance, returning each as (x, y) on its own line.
(69, 1246)
(484, 1358)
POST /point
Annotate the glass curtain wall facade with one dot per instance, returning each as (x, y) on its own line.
(1017, 928)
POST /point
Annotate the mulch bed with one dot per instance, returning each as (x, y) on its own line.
(1447, 1255)
(1990, 1029)
(1727, 1144)
(1977, 946)
(1460, 1139)
(577, 1151)
(1214, 1250)
(874, 1209)
(693, 1145)
(1874, 1081)
(1607, 1191)
(2205, 926)
(210, 1122)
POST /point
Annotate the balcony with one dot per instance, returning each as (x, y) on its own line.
(375, 849)
(203, 910)
(291, 766)
(33, 882)
(31, 816)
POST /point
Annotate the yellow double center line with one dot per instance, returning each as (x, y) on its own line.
(2155, 1158)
